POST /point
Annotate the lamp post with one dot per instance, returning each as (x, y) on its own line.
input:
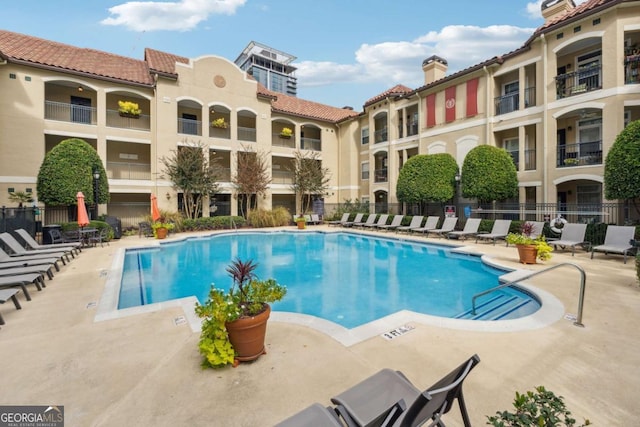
(458, 179)
(96, 184)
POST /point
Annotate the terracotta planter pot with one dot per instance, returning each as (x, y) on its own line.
(301, 225)
(247, 335)
(161, 233)
(528, 254)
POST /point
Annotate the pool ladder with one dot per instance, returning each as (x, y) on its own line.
(583, 281)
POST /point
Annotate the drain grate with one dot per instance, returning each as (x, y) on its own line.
(180, 320)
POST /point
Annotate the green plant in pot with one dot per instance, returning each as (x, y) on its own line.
(234, 325)
(160, 229)
(529, 248)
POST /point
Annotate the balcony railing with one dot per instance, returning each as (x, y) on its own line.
(380, 135)
(66, 112)
(412, 129)
(246, 134)
(189, 127)
(631, 67)
(281, 177)
(280, 141)
(581, 81)
(114, 120)
(218, 132)
(127, 170)
(581, 154)
(507, 103)
(310, 144)
(381, 175)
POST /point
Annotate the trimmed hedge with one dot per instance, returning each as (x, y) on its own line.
(212, 223)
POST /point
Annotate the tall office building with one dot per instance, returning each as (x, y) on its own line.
(271, 67)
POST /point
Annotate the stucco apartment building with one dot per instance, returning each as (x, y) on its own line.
(556, 104)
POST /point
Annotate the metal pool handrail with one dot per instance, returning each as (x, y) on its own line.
(583, 282)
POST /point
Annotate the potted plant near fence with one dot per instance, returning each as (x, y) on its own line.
(529, 249)
(161, 229)
(235, 322)
(301, 221)
(129, 109)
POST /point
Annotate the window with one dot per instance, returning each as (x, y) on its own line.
(510, 99)
(364, 175)
(365, 136)
(512, 147)
(80, 109)
(627, 117)
(590, 137)
(588, 66)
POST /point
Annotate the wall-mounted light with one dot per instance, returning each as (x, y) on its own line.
(80, 88)
(168, 196)
(569, 128)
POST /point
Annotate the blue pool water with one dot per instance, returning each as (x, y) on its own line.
(345, 278)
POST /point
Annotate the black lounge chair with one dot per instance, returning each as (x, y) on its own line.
(363, 401)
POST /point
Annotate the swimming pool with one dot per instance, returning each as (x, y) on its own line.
(346, 278)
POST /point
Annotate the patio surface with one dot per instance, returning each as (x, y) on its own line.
(145, 369)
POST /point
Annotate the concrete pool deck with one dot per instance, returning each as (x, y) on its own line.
(145, 369)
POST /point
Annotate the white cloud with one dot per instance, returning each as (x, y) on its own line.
(401, 61)
(533, 8)
(183, 15)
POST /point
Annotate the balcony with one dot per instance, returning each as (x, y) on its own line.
(310, 144)
(281, 177)
(507, 103)
(579, 82)
(380, 135)
(246, 134)
(114, 120)
(128, 170)
(580, 154)
(66, 112)
(381, 175)
(189, 126)
(218, 132)
(277, 140)
(631, 66)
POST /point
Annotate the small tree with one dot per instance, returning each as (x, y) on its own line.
(251, 177)
(20, 197)
(309, 178)
(622, 166)
(427, 177)
(67, 169)
(189, 169)
(489, 174)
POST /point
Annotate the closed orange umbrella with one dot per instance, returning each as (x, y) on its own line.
(83, 217)
(155, 213)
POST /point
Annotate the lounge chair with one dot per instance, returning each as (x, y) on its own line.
(470, 229)
(17, 249)
(416, 222)
(572, 236)
(322, 416)
(31, 242)
(371, 219)
(42, 269)
(21, 281)
(499, 230)
(430, 224)
(315, 219)
(6, 295)
(356, 221)
(617, 241)
(364, 400)
(382, 220)
(448, 225)
(7, 261)
(395, 223)
(341, 221)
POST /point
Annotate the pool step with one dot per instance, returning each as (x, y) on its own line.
(499, 306)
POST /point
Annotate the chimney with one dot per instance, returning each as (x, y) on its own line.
(435, 68)
(552, 9)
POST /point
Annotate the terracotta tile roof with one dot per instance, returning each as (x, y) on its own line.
(162, 62)
(309, 109)
(20, 48)
(585, 7)
(396, 90)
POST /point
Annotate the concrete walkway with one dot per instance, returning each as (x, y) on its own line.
(145, 369)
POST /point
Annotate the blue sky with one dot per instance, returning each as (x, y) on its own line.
(347, 50)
